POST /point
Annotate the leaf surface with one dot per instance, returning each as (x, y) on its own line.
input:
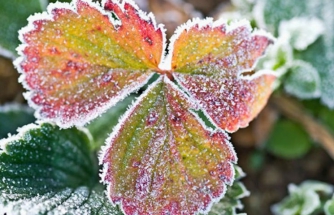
(320, 54)
(78, 60)
(231, 201)
(288, 140)
(161, 158)
(329, 206)
(72, 201)
(45, 170)
(209, 59)
(307, 198)
(303, 80)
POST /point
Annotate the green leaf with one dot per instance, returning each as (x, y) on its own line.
(304, 199)
(320, 55)
(101, 127)
(45, 169)
(71, 201)
(300, 32)
(288, 140)
(270, 13)
(329, 207)
(231, 200)
(161, 157)
(278, 58)
(13, 16)
(303, 80)
(239, 173)
(13, 116)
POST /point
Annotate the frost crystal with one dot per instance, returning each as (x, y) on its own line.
(168, 162)
(303, 80)
(79, 59)
(301, 31)
(72, 79)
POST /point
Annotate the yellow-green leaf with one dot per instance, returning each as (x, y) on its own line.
(210, 60)
(79, 59)
(162, 158)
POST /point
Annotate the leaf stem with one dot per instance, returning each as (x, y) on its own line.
(168, 73)
(294, 111)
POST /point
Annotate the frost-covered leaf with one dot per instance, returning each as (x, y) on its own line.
(231, 200)
(45, 154)
(301, 31)
(45, 169)
(204, 47)
(329, 207)
(303, 199)
(79, 59)
(303, 80)
(278, 58)
(321, 55)
(288, 140)
(209, 59)
(101, 127)
(161, 158)
(269, 14)
(13, 16)
(72, 201)
(13, 116)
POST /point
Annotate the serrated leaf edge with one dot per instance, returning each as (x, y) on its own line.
(250, 78)
(48, 16)
(117, 128)
(33, 126)
(21, 132)
(108, 142)
(208, 22)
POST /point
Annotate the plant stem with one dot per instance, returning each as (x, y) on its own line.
(293, 110)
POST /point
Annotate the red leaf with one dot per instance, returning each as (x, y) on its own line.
(230, 102)
(79, 61)
(161, 158)
(209, 59)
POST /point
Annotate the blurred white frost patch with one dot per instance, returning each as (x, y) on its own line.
(303, 80)
(81, 201)
(327, 87)
(301, 31)
(303, 199)
(243, 4)
(278, 58)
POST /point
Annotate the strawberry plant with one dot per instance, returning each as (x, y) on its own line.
(124, 120)
(77, 60)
